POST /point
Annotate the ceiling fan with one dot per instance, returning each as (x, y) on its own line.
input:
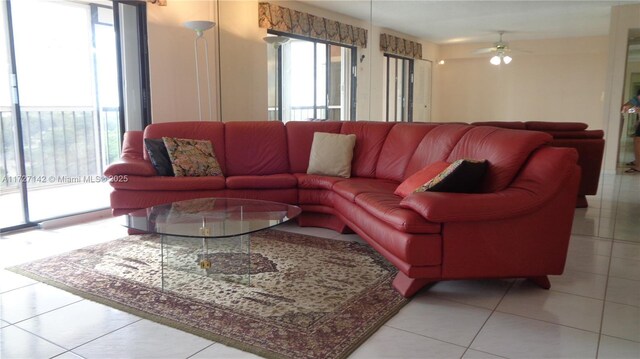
(500, 49)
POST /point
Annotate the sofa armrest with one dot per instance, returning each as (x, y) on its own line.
(465, 207)
(542, 177)
(130, 166)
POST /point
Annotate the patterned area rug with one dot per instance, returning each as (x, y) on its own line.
(309, 297)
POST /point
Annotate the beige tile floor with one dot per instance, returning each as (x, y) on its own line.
(591, 311)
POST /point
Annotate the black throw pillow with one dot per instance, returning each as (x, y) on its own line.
(462, 176)
(159, 156)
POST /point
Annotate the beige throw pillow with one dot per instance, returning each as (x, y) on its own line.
(331, 154)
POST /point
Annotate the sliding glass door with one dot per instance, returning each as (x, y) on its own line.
(60, 114)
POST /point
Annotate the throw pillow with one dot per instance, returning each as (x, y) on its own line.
(159, 156)
(194, 158)
(331, 154)
(419, 178)
(462, 176)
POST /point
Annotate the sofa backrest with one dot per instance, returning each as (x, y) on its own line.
(505, 149)
(370, 137)
(255, 148)
(555, 126)
(300, 138)
(514, 125)
(435, 146)
(196, 130)
(401, 142)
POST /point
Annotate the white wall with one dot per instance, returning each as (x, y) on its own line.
(240, 78)
(559, 80)
(172, 60)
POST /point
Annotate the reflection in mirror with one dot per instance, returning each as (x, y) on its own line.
(631, 87)
(626, 196)
(321, 72)
(401, 71)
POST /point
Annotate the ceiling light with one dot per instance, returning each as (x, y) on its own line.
(495, 60)
(441, 62)
(507, 59)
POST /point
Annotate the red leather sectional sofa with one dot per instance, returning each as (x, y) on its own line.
(588, 143)
(519, 226)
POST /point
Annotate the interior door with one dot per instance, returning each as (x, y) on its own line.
(422, 91)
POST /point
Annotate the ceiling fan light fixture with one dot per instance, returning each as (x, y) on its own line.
(495, 60)
(507, 59)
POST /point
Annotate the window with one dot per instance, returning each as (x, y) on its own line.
(60, 110)
(310, 79)
(398, 90)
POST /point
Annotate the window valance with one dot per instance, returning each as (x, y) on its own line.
(399, 46)
(290, 21)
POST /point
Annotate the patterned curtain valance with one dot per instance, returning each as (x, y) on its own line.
(282, 19)
(399, 46)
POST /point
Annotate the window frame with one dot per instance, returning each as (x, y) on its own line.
(410, 78)
(352, 72)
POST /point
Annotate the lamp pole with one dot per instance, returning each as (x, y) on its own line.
(200, 27)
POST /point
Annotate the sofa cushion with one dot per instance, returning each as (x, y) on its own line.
(192, 158)
(401, 141)
(281, 180)
(197, 130)
(331, 154)
(505, 149)
(256, 148)
(316, 181)
(420, 178)
(386, 207)
(300, 138)
(370, 137)
(462, 176)
(159, 156)
(164, 183)
(352, 187)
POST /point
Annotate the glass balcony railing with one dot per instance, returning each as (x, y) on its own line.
(58, 142)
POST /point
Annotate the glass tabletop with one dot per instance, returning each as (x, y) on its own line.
(211, 217)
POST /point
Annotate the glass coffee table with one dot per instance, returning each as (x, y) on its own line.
(208, 236)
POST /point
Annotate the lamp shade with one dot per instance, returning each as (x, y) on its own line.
(495, 60)
(275, 40)
(507, 59)
(199, 26)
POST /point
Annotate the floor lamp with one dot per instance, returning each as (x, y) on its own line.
(200, 27)
(277, 41)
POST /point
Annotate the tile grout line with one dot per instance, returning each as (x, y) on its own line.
(422, 335)
(203, 349)
(105, 334)
(604, 302)
(489, 317)
(45, 312)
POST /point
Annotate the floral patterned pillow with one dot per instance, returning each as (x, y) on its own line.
(192, 158)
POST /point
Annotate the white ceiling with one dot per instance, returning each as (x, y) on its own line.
(453, 21)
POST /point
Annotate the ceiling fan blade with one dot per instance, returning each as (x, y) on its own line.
(485, 50)
(520, 51)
